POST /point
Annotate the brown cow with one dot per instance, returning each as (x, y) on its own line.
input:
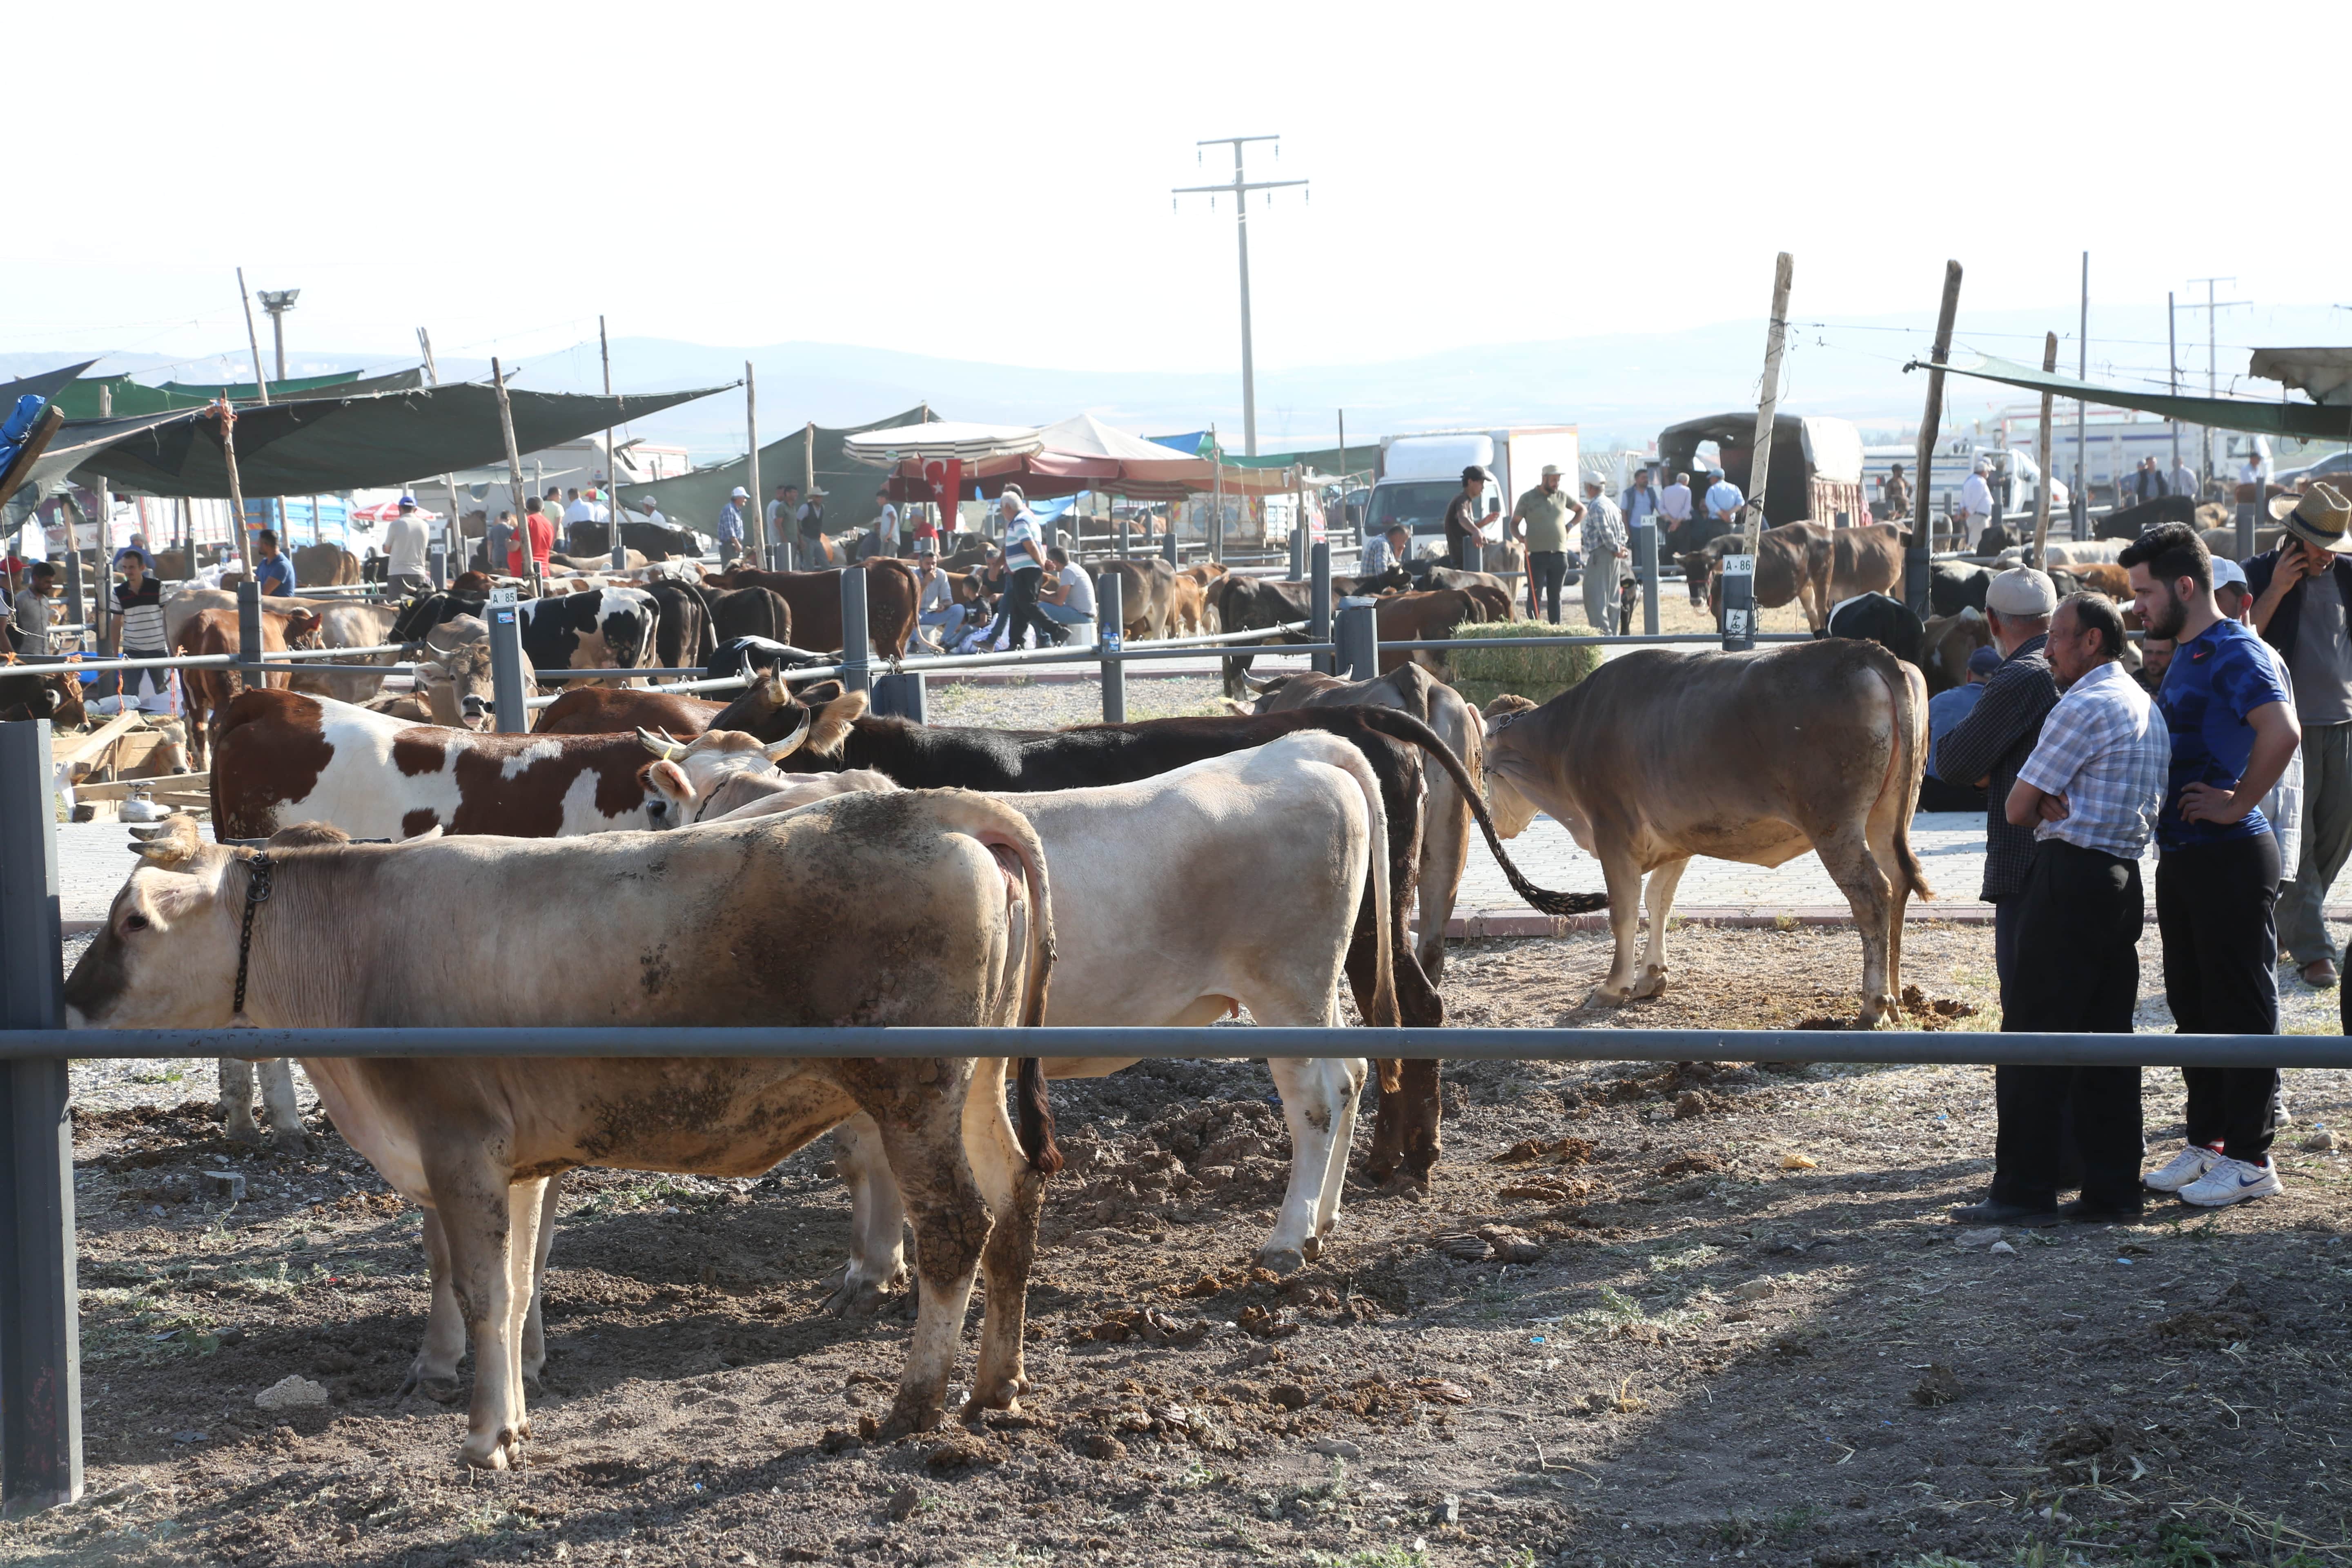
(1816, 566)
(1147, 595)
(325, 566)
(815, 601)
(1945, 647)
(1413, 617)
(1756, 757)
(210, 690)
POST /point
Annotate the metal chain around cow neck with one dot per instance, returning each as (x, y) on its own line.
(256, 894)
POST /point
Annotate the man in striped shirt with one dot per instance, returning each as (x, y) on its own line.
(139, 604)
(2091, 791)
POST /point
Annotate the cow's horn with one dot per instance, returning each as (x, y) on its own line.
(660, 746)
(790, 743)
(173, 842)
(1263, 687)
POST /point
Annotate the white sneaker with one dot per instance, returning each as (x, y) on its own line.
(2187, 1166)
(2232, 1181)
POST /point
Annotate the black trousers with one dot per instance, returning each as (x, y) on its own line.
(2221, 977)
(1547, 570)
(2074, 969)
(1019, 610)
(1935, 794)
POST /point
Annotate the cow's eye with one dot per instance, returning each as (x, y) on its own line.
(134, 922)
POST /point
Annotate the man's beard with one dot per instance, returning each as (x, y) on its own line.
(2170, 620)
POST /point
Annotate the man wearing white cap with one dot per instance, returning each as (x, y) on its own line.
(2300, 593)
(405, 543)
(730, 524)
(1603, 538)
(1541, 524)
(1992, 744)
(1975, 504)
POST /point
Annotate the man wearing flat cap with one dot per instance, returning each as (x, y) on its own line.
(2300, 591)
(1987, 748)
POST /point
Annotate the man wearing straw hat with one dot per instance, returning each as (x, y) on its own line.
(2300, 593)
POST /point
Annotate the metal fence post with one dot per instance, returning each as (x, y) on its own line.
(77, 612)
(1110, 622)
(620, 548)
(1739, 580)
(494, 547)
(1646, 562)
(248, 631)
(856, 653)
(40, 1332)
(1167, 547)
(1319, 604)
(507, 686)
(1297, 552)
(437, 560)
(779, 555)
(1358, 640)
(902, 696)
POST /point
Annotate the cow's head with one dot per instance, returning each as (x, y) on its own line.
(683, 778)
(167, 956)
(302, 627)
(626, 622)
(457, 679)
(1508, 759)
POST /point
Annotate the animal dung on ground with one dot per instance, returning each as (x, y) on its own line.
(1754, 1290)
(1543, 1152)
(292, 1391)
(1940, 1386)
(1970, 1241)
(1793, 1162)
(2319, 1142)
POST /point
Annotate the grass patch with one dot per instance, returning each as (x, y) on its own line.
(1538, 674)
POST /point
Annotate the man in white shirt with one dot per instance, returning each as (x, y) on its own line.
(405, 543)
(1068, 594)
(1723, 500)
(1976, 505)
(2182, 481)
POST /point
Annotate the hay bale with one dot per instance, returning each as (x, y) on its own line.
(1538, 674)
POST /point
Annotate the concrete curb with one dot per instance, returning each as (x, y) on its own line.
(1522, 922)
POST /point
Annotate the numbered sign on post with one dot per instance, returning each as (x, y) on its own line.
(505, 595)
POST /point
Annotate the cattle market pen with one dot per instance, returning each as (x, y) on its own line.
(40, 1421)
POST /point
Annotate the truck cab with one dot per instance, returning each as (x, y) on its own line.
(1421, 475)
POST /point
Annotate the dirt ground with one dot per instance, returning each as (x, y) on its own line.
(1702, 1314)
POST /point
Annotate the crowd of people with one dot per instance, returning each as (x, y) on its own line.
(2232, 751)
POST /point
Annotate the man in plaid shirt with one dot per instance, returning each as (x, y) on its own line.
(2091, 792)
(1602, 539)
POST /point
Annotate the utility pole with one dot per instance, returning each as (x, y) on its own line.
(253, 339)
(2212, 354)
(2082, 506)
(1918, 560)
(278, 302)
(2172, 361)
(1240, 190)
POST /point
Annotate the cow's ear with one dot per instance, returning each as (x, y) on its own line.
(834, 721)
(670, 780)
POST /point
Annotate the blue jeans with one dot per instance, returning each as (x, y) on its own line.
(1067, 615)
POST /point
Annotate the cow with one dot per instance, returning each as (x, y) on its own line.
(31, 691)
(2223, 541)
(1953, 587)
(1147, 595)
(1188, 611)
(2128, 522)
(2105, 577)
(751, 656)
(1757, 757)
(1815, 566)
(815, 598)
(1241, 604)
(916, 908)
(210, 690)
(1874, 618)
(283, 758)
(1945, 644)
(683, 639)
(748, 613)
(325, 566)
(603, 628)
(1430, 615)
(345, 625)
(609, 710)
(426, 610)
(924, 756)
(185, 605)
(649, 541)
(1299, 834)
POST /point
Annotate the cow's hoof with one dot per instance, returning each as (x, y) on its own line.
(1004, 1395)
(861, 1297)
(1602, 996)
(1311, 1248)
(1281, 1260)
(530, 1382)
(908, 1417)
(296, 1141)
(1651, 984)
(503, 1452)
(245, 1132)
(440, 1388)
(1401, 1182)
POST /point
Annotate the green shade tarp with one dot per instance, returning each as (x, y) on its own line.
(2308, 421)
(694, 500)
(324, 445)
(120, 397)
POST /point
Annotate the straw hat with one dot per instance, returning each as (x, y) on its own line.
(2319, 516)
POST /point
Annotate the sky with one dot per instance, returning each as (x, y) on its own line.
(993, 184)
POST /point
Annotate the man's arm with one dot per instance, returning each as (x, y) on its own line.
(2276, 735)
(2291, 568)
(2009, 711)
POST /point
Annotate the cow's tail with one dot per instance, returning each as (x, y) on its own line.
(1907, 687)
(1005, 831)
(1382, 1013)
(1402, 726)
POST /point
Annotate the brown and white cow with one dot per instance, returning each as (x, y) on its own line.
(1756, 757)
(919, 908)
(349, 627)
(285, 758)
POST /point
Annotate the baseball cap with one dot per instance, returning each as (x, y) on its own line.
(739, 493)
(1984, 661)
(2021, 590)
(1550, 471)
(2226, 571)
(408, 500)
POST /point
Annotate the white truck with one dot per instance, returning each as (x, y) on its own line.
(2013, 474)
(1421, 475)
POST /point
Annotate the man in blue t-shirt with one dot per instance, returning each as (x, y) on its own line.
(2232, 733)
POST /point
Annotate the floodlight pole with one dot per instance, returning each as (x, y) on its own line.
(278, 302)
(2212, 308)
(1239, 189)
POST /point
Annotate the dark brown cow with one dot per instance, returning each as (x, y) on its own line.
(815, 598)
(211, 690)
(1415, 618)
(27, 692)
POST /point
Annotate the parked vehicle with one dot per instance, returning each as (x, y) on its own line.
(2015, 479)
(1421, 475)
(2336, 469)
(1816, 470)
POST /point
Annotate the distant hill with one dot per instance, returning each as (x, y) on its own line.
(1621, 389)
